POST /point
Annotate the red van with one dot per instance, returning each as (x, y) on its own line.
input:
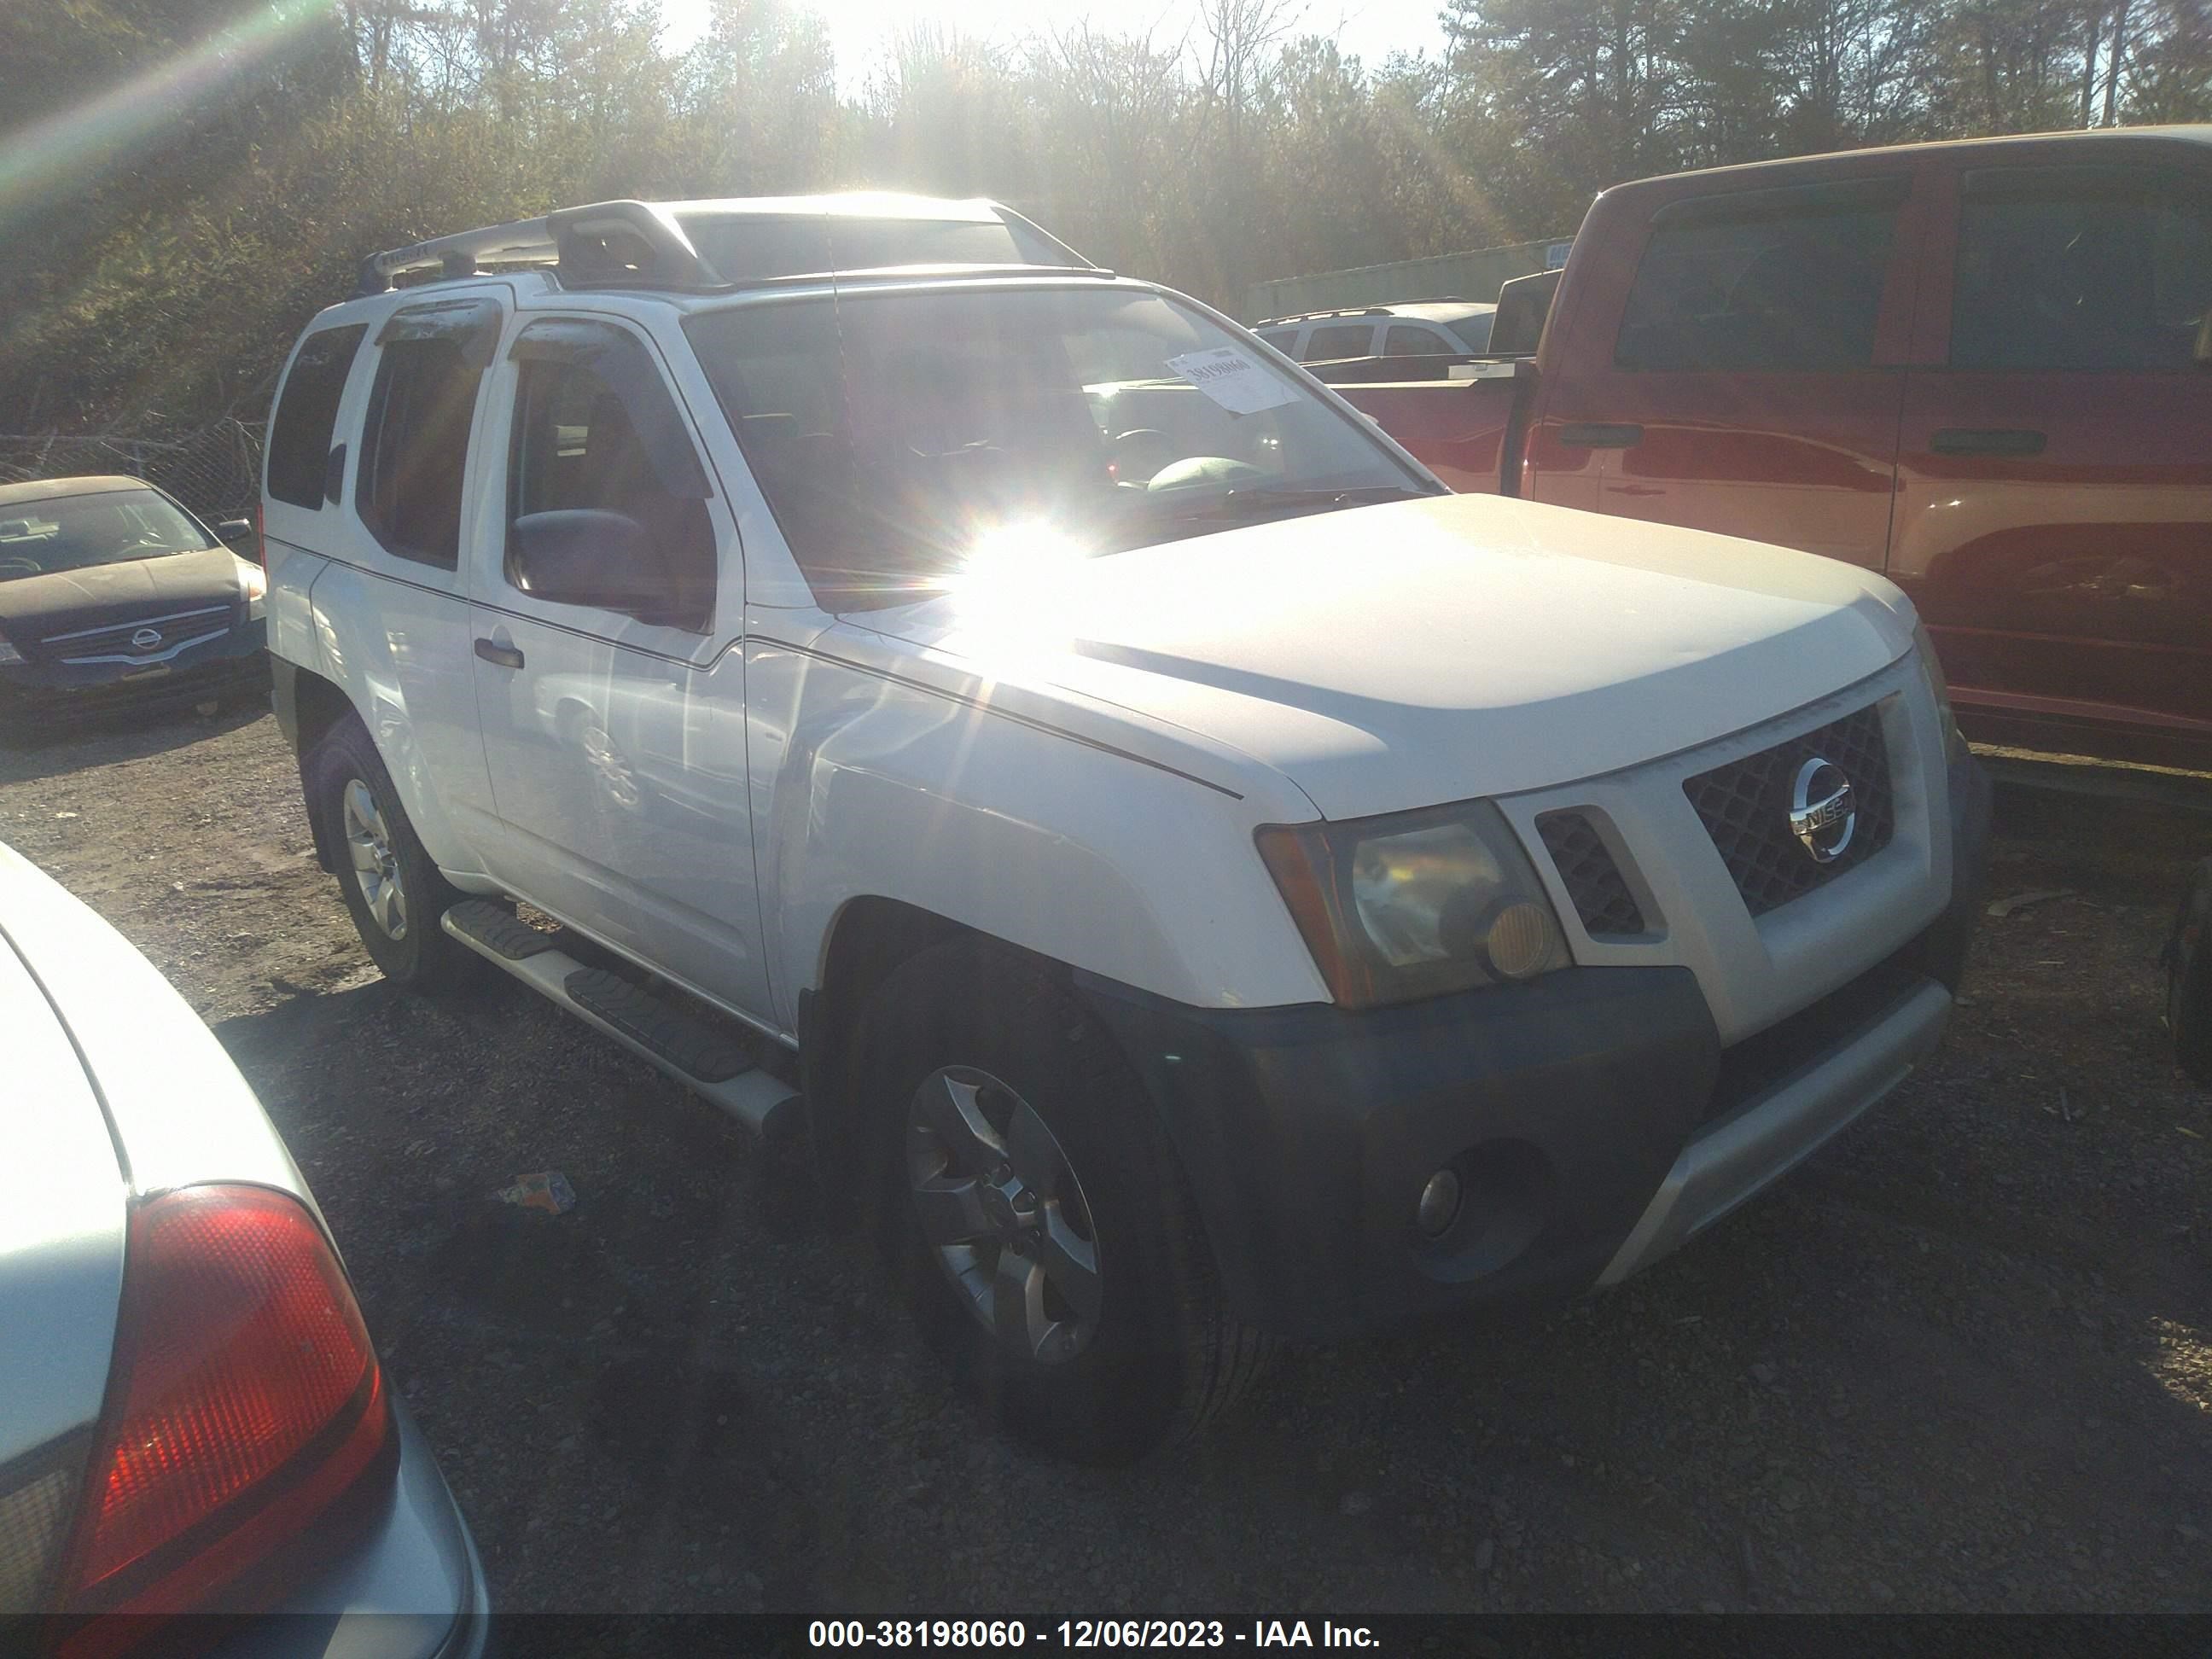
(1983, 368)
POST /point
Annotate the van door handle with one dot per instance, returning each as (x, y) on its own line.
(1987, 440)
(1600, 435)
(505, 656)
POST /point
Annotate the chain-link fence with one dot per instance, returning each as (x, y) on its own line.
(215, 470)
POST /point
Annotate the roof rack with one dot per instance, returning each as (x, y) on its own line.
(648, 245)
(637, 242)
(1319, 316)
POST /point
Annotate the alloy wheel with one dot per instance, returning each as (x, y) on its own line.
(376, 864)
(1002, 1211)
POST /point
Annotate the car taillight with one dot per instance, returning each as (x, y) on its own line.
(245, 1401)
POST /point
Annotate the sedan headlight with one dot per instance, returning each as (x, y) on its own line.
(1931, 670)
(1415, 904)
(253, 588)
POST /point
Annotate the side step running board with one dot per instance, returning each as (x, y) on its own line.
(691, 1050)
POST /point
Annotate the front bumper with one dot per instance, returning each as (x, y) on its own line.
(1593, 1117)
(37, 690)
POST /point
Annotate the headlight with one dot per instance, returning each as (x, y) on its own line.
(252, 587)
(1415, 904)
(1931, 670)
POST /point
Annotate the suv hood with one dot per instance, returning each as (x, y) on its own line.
(1425, 651)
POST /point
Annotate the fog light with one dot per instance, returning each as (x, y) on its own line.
(1519, 941)
(1440, 1205)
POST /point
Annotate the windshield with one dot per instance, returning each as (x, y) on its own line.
(893, 432)
(73, 532)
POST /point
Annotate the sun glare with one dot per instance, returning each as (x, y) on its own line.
(1019, 583)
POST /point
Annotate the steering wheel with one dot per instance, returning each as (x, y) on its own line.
(28, 567)
(1206, 471)
(1141, 452)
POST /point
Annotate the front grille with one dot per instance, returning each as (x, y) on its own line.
(115, 639)
(1745, 806)
(1592, 880)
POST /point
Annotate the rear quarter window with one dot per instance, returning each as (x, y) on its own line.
(307, 412)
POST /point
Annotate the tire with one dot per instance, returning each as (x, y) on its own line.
(419, 955)
(1141, 1354)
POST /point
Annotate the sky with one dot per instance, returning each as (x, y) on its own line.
(1369, 30)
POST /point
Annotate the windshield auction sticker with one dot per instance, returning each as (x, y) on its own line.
(1233, 380)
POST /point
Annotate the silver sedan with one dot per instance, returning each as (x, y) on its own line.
(192, 1418)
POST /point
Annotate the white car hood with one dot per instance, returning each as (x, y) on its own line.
(1432, 650)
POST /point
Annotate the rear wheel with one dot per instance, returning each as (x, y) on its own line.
(1029, 1200)
(391, 886)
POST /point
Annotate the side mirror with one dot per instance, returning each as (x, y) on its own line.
(239, 536)
(585, 556)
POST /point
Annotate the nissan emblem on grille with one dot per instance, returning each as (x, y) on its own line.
(147, 638)
(1822, 813)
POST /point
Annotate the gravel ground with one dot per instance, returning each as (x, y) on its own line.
(1962, 1360)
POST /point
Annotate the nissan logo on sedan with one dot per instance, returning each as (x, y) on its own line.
(1822, 813)
(147, 638)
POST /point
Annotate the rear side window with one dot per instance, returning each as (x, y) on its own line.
(1787, 281)
(415, 442)
(2079, 269)
(1325, 345)
(596, 429)
(1402, 341)
(308, 414)
(1283, 339)
(1474, 331)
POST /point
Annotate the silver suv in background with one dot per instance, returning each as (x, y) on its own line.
(1412, 328)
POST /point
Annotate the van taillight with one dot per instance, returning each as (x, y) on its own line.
(245, 1401)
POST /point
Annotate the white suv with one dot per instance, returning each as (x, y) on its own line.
(1207, 883)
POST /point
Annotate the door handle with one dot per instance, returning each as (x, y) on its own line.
(505, 656)
(1987, 440)
(1600, 435)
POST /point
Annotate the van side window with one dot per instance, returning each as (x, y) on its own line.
(415, 446)
(2067, 268)
(1326, 344)
(1767, 288)
(596, 429)
(307, 413)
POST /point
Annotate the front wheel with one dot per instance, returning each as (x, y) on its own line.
(1028, 1198)
(391, 885)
